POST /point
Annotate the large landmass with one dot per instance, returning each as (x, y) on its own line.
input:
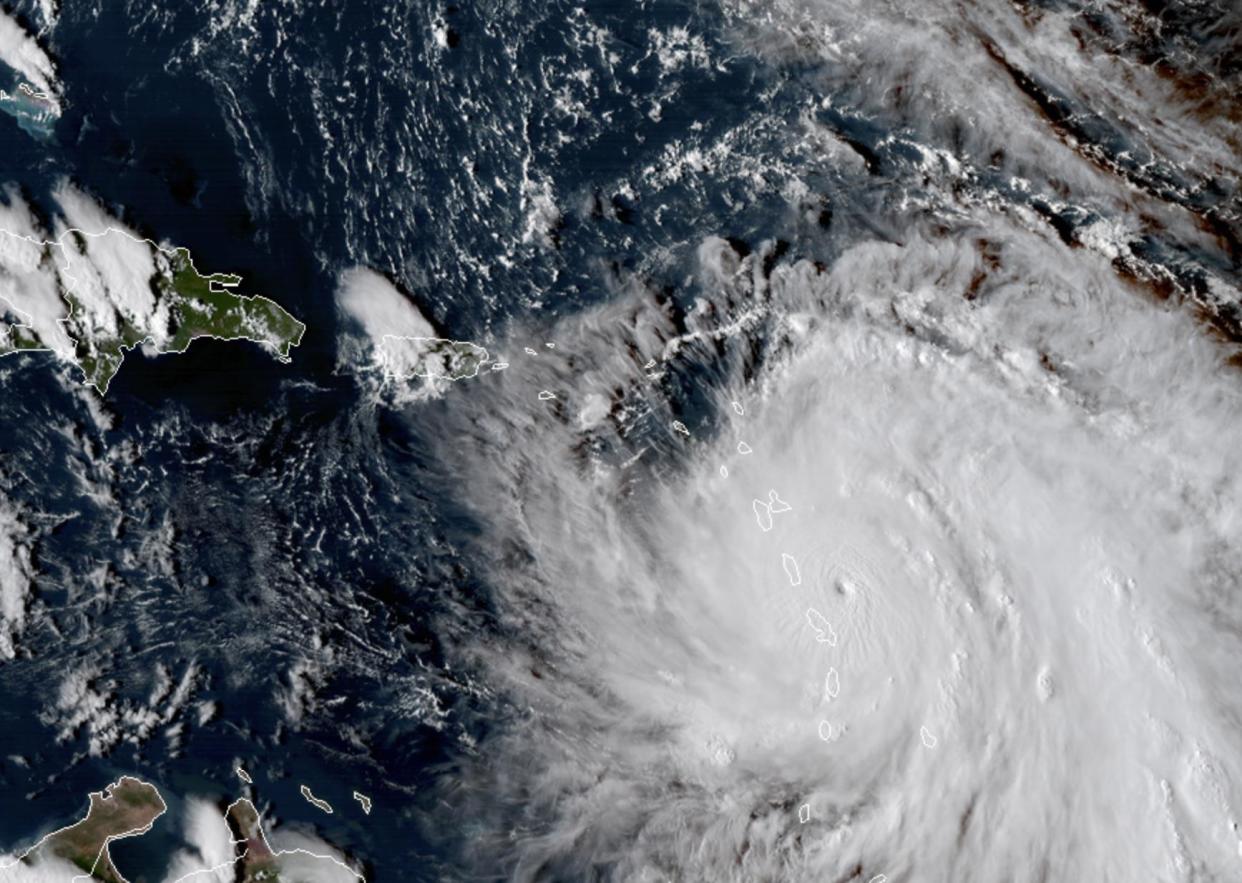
(126, 808)
(90, 298)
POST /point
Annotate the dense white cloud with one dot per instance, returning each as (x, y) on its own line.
(21, 52)
(378, 307)
(400, 345)
(15, 579)
(29, 285)
(305, 858)
(48, 869)
(209, 858)
(108, 275)
(1009, 650)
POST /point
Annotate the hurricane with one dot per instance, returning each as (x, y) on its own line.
(945, 588)
(947, 594)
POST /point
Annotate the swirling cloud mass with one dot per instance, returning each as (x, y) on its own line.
(948, 589)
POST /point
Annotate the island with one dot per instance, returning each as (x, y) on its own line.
(318, 802)
(404, 358)
(89, 298)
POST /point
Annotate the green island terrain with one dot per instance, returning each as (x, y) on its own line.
(15, 338)
(199, 306)
(187, 305)
(125, 808)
